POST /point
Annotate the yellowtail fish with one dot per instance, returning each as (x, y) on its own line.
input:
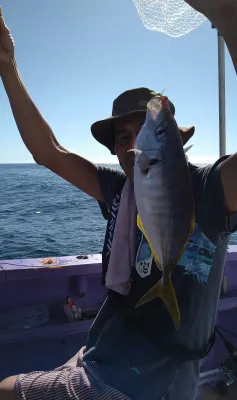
(164, 197)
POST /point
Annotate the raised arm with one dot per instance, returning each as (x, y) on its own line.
(223, 14)
(35, 131)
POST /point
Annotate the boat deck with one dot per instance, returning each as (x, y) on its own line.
(207, 389)
(33, 320)
(209, 393)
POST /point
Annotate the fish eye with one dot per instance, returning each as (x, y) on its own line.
(160, 131)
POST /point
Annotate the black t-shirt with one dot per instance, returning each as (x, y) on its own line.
(133, 349)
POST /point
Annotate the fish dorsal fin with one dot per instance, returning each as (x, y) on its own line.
(141, 227)
(186, 149)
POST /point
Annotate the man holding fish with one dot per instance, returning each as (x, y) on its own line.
(168, 229)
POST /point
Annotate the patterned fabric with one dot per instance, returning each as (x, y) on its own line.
(121, 263)
(75, 380)
(114, 212)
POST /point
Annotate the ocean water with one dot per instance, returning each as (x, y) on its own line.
(42, 215)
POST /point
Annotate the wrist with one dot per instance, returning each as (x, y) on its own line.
(224, 17)
(8, 69)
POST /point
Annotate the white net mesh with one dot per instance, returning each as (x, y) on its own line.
(172, 17)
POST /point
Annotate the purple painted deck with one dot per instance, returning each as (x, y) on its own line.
(27, 283)
(30, 282)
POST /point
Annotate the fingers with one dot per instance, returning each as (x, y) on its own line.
(3, 27)
(6, 40)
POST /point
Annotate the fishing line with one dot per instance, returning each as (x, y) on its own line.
(226, 330)
(231, 349)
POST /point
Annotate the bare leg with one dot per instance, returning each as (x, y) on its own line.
(7, 388)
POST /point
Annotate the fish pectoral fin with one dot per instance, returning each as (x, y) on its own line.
(164, 291)
(143, 162)
(141, 227)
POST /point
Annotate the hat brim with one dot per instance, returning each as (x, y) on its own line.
(102, 130)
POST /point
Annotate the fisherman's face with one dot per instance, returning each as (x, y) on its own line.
(125, 133)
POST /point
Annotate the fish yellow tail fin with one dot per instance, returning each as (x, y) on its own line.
(166, 292)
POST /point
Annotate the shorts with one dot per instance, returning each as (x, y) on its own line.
(75, 380)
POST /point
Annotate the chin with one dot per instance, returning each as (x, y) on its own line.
(128, 170)
(130, 173)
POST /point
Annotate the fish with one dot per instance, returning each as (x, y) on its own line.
(164, 197)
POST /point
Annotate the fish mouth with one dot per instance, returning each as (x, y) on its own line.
(153, 161)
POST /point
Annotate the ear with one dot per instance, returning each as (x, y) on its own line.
(115, 148)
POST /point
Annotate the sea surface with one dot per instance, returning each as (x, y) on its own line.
(42, 215)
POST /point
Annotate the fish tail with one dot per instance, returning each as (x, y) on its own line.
(165, 291)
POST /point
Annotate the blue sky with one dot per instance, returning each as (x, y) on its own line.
(75, 57)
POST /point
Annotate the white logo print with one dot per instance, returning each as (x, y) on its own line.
(144, 258)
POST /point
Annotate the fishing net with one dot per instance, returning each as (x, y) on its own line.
(173, 17)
